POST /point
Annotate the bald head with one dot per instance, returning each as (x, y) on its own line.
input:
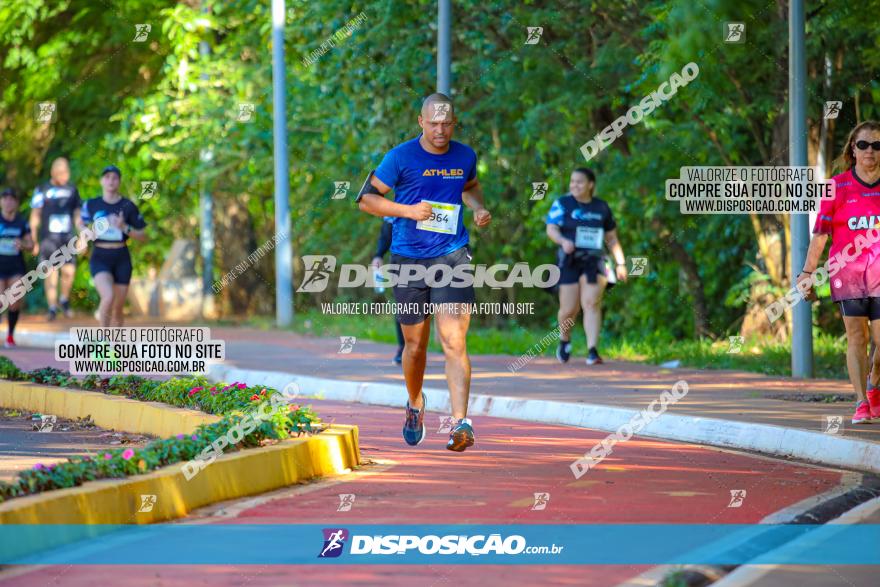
(60, 171)
(437, 120)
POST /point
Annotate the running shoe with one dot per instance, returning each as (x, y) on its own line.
(874, 401)
(10, 342)
(398, 358)
(414, 425)
(462, 436)
(65, 307)
(863, 414)
(593, 357)
(53, 312)
(563, 351)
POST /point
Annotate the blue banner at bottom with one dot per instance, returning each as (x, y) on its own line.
(522, 544)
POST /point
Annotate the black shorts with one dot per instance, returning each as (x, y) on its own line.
(11, 266)
(861, 308)
(117, 262)
(571, 269)
(52, 243)
(415, 295)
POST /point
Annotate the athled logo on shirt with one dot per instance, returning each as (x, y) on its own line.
(444, 173)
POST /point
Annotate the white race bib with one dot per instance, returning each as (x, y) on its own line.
(589, 237)
(444, 218)
(7, 246)
(59, 223)
(111, 234)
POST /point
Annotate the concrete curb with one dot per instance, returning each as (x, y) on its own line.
(107, 411)
(815, 447)
(87, 507)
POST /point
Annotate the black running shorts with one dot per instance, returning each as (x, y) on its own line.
(861, 307)
(416, 295)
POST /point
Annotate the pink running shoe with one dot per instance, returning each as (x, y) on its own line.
(863, 414)
(874, 402)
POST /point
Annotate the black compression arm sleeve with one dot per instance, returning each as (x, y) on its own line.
(384, 239)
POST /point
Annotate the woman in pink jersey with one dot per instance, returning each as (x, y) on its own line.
(852, 219)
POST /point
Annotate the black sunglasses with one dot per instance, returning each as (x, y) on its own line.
(863, 145)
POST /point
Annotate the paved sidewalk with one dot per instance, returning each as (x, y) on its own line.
(721, 394)
(643, 481)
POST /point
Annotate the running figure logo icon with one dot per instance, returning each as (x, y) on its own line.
(735, 32)
(346, 500)
(147, 503)
(148, 189)
(441, 112)
(539, 190)
(341, 190)
(737, 497)
(141, 32)
(334, 541)
(246, 112)
(534, 34)
(43, 422)
(446, 424)
(736, 345)
(832, 424)
(346, 344)
(318, 271)
(639, 264)
(541, 500)
(45, 111)
(832, 109)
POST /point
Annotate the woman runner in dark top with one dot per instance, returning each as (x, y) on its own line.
(15, 236)
(582, 225)
(110, 263)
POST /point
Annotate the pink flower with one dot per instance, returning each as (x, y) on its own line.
(294, 407)
(38, 467)
(195, 390)
(107, 456)
(195, 437)
(127, 454)
(214, 388)
(242, 386)
(180, 436)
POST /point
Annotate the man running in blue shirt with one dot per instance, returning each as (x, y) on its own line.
(433, 177)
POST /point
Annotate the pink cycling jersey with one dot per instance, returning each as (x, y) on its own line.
(847, 218)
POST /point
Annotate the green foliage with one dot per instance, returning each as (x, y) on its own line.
(8, 370)
(154, 107)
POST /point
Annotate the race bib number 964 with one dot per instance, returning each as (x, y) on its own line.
(443, 218)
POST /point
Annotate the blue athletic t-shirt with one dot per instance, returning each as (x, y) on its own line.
(415, 175)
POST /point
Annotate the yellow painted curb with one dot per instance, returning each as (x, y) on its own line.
(107, 411)
(234, 475)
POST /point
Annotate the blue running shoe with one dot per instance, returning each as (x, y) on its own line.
(462, 436)
(414, 426)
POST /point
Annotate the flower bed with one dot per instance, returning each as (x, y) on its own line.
(230, 400)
